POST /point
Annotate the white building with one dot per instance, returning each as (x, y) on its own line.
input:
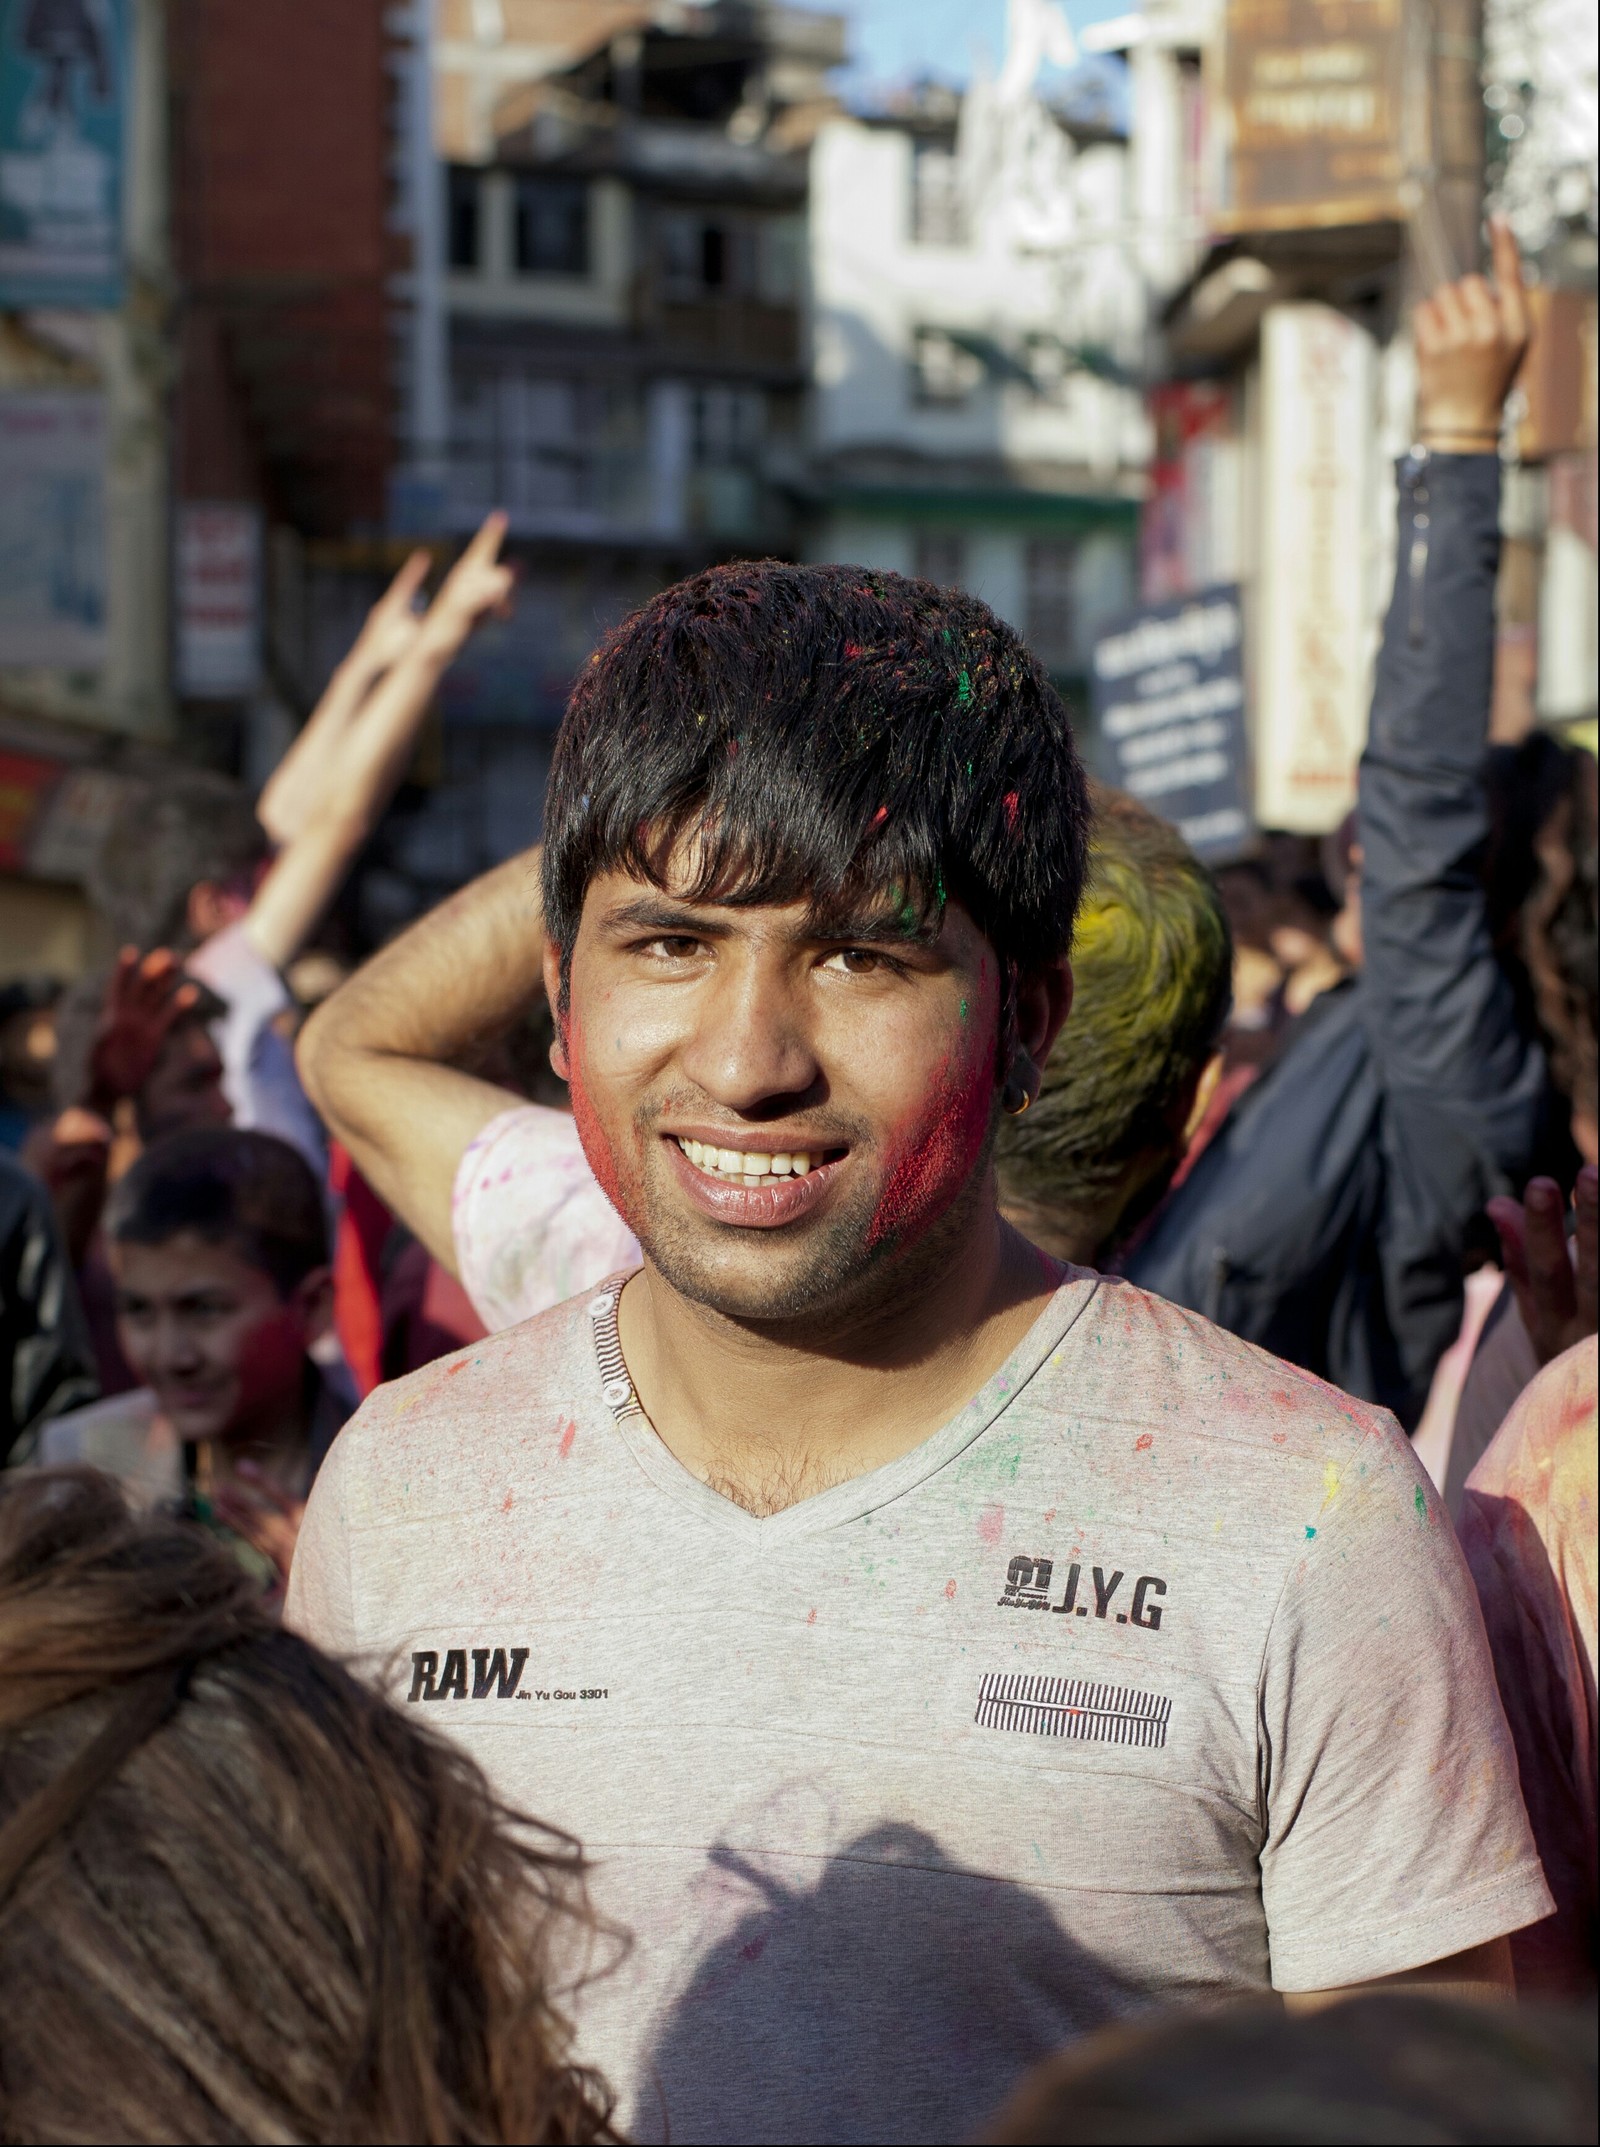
(977, 325)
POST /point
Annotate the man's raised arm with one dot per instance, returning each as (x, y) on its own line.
(375, 1058)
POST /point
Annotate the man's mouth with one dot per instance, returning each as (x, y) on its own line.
(753, 1188)
(754, 1166)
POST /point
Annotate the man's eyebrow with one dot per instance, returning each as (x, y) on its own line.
(663, 916)
(874, 926)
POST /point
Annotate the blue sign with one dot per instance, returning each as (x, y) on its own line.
(63, 106)
(1168, 695)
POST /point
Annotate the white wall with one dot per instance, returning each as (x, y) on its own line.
(873, 288)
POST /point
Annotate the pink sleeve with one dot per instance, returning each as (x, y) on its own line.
(531, 1224)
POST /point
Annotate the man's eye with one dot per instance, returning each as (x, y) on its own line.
(673, 946)
(859, 961)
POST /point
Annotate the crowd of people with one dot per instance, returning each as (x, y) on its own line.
(539, 1489)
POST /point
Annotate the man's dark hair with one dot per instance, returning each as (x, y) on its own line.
(168, 837)
(823, 733)
(249, 1191)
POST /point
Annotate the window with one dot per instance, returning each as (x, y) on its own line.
(940, 555)
(463, 216)
(938, 212)
(942, 370)
(551, 228)
(726, 424)
(1053, 625)
(702, 255)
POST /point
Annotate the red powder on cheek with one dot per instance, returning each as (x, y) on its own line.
(931, 1159)
(615, 1182)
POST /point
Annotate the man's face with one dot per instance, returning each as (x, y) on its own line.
(786, 1116)
(184, 1089)
(224, 1351)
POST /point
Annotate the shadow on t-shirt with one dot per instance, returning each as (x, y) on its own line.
(876, 2006)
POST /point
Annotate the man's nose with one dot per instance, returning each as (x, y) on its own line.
(175, 1347)
(751, 1043)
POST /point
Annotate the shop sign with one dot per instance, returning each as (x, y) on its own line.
(1313, 678)
(52, 529)
(1168, 688)
(1314, 93)
(63, 110)
(219, 600)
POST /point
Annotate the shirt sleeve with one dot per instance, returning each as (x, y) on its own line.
(320, 1604)
(531, 1225)
(1394, 1829)
(258, 1069)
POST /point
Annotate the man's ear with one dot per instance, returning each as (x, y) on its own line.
(1189, 1106)
(1044, 1000)
(558, 1012)
(313, 1301)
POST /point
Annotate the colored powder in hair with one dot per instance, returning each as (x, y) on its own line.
(1011, 802)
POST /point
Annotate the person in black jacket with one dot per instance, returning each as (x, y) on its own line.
(1326, 1219)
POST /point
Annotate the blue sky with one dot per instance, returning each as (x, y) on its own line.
(895, 40)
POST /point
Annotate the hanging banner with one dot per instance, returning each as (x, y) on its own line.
(63, 111)
(1168, 688)
(52, 529)
(1317, 629)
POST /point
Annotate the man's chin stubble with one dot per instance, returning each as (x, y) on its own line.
(837, 1285)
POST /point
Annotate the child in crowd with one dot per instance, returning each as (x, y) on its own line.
(218, 1244)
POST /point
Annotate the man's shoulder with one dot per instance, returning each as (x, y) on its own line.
(480, 1396)
(1149, 1358)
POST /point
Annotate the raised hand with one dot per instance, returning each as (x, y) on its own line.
(477, 587)
(1470, 339)
(146, 996)
(1556, 1281)
(393, 623)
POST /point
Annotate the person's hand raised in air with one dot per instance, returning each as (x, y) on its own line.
(1556, 1280)
(146, 997)
(1470, 339)
(476, 588)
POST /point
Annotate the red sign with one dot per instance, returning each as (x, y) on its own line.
(25, 787)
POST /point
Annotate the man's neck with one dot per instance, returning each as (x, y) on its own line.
(770, 1416)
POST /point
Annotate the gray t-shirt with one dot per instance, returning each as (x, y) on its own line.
(1155, 1674)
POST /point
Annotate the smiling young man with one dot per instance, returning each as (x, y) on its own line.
(938, 1651)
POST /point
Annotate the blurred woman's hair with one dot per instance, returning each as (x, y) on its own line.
(1539, 872)
(242, 1897)
(1560, 934)
(1152, 961)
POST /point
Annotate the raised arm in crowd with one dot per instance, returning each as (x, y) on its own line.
(1326, 1220)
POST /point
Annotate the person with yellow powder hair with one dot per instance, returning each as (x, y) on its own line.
(1129, 1080)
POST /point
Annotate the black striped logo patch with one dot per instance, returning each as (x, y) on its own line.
(1073, 1707)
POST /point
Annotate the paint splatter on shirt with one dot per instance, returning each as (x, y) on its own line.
(902, 1787)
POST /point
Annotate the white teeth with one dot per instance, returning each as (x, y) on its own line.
(752, 1168)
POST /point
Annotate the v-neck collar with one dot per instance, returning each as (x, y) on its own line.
(857, 1495)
